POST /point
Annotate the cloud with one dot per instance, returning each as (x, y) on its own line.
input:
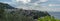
(50, 9)
(25, 4)
(29, 6)
(24, 1)
(54, 5)
(43, 8)
(43, 0)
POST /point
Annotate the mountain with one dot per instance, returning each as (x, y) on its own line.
(24, 12)
(6, 6)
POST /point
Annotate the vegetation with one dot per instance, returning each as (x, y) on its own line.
(1, 10)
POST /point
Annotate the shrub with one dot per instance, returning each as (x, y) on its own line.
(47, 18)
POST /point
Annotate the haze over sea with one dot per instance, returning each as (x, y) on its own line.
(55, 14)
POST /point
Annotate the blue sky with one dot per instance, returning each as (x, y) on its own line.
(5, 0)
(42, 5)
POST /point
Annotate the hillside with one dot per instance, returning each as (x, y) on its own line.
(13, 14)
(6, 6)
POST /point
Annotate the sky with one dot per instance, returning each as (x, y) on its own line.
(42, 5)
